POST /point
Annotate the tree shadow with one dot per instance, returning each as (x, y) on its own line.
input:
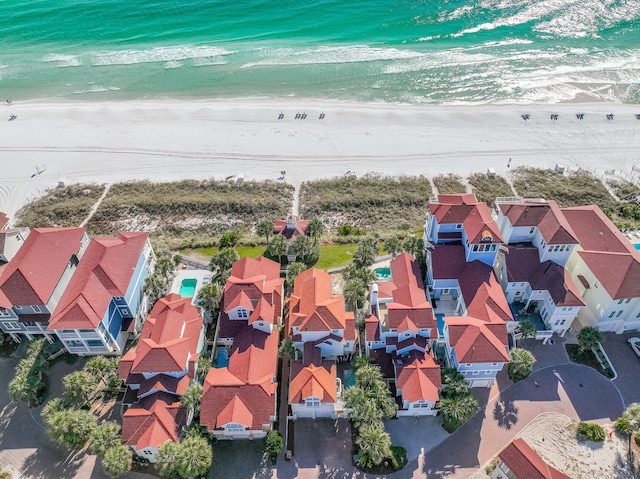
(505, 414)
(44, 463)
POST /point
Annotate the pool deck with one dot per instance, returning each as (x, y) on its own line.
(201, 276)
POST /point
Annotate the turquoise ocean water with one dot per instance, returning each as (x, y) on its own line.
(413, 51)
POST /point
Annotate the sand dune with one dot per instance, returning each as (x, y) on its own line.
(169, 140)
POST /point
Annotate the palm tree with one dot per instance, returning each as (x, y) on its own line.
(278, 247)
(203, 365)
(368, 374)
(375, 444)
(79, 387)
(456, 410)
(154, 287)
(315, 228)
(302, 247)
(209, 298)
(520, 364)
(363, 410)
(287, 348)
(222, 262)
(190, 401)
(366, 252)
(117, 460)
(167, 457)
(393, 246)
(194, 457)
(293, 270)
(164, 268)
(354, 294)
(527, 329)
(273, 444)
(71, 427)
(413, 245)
(105, 437)
(265, 228)
(363, 275)
(453, 383)
(589, 338)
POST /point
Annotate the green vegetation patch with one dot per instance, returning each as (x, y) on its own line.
(372, 202)
(207, 253)
(332, 255)
(60, 207)
(586, 357)
(488, 189)
(449, 184)
(572, 189)
(190, 213)
(622, 188)
(591, 432)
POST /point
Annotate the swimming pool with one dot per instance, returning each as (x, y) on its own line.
(440, 321)
(637, 246)
(188, 287)
(383, 273)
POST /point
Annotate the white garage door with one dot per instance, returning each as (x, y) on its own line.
(481, 383)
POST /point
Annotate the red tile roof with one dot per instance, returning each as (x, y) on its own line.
(481, 290)
(169, 339)
(34, 272)
(256, 285)
(350, 333)
(546, 216)
(465, 209)
(300, 228)
(409, 308)
(312, 377)
(418, 376)
(153, 421)
(4, 220)
(221, 404)
(235, 412)
(372, 328)
(476, 341)
(104, 272)
(523, 265)
(312, 306)
(163, 383)
(606, 251)
(525, 463)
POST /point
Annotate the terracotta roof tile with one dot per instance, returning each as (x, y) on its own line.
(35, 270)
(606, 251)
(475, 341)
(465, 209)
(104, 272)
(4, 220)
(169, 337)
(300, 228)
(234, 412)
(481, 290)
(311, 380)
(312, 306)
(525, 463)
(546, 216)
(372, 328)
(153, 421)
(418, 376)
(523, 265)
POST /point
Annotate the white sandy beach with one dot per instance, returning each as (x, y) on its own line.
(170, 140)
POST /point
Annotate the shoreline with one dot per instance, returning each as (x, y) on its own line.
(107, 142)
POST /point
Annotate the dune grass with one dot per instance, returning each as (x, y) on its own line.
(189, 214)
(373, 202)
(449, 184)
(487, 189)
(60, 207)
(207, 253)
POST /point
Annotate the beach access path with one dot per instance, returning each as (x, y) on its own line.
(107, 142)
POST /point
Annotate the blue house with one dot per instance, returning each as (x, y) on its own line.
(104, 301)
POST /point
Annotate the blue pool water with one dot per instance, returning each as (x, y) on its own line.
(349, 379)
(440, 320)
(188, 288)
(383, 273)
(637, 246)
(222, 358)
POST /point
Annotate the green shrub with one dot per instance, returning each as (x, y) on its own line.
(623, 426)
(487, 189)
(273, 444)
(348, 230)
(591, 432)
(230, 239)
(399, 457)
(449, 184)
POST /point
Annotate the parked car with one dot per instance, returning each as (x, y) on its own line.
(635, 345)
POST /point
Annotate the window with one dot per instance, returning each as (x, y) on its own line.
(494, 247)
(18, 307)
(612, 313)
(619, 313)
(518, 293)
(494, 364)
(628, 300)
(421, 405)
(458, 226)
(620, 301)
(638, 315)
(532, 230)
(312, 402)
(475, 247)
(475, 373)
(11, 326)
(243, 314)
(5, 313)
(37, 309)
(468, 365)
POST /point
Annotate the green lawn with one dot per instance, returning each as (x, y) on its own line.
(333, 255)
(250, 251)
